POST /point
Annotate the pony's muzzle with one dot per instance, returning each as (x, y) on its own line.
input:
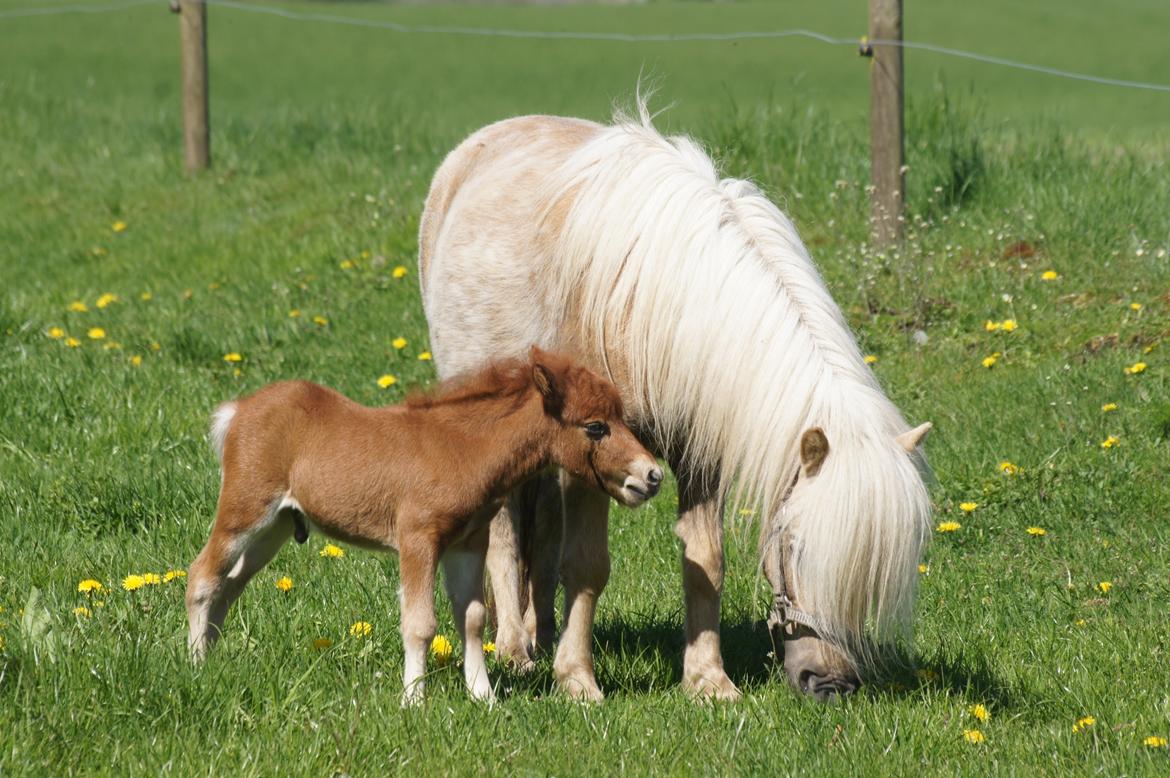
(826, 688)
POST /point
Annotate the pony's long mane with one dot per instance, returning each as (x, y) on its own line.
(732, 347)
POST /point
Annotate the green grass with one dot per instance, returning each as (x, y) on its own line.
(324, 142)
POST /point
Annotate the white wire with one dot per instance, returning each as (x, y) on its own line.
(619, 37)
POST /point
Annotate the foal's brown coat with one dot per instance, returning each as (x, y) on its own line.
(423, 478)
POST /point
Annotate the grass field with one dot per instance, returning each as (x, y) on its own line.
(324, 142)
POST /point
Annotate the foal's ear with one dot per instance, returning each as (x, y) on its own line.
(546, 384)
(814, 447)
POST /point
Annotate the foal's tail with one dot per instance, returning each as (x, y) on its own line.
(221, 422)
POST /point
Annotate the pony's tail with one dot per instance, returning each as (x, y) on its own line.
(221, 422)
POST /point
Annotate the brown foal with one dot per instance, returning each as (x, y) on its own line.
(424, 478)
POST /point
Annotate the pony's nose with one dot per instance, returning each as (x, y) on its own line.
(654, 477)
(827, 688)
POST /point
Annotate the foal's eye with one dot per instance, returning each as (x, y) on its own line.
(596, 430)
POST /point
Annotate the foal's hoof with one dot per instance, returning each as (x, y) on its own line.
(712, 687)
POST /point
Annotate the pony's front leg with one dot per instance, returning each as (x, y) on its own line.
(585, 572)
(700, 527)
(418, 559)
(505, 565)
(463, 576)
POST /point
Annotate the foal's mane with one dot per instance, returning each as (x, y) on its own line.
(503, 378)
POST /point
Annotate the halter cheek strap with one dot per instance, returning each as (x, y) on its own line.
(784, 612)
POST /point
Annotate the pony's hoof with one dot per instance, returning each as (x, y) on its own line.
(412, 697)
(579, 687)
(712, 687)
(516, 657)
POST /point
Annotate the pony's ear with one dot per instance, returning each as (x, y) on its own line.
(814, 447)
(911, 439)
(546, 384)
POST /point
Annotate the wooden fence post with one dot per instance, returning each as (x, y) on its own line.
(887, 171)
(196, 122)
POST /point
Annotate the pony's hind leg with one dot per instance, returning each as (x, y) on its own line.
(543, 551)
(463, 576)
(236, 551)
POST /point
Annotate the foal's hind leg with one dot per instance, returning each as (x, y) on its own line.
(239, 546)
(418, 559)
(463, 576)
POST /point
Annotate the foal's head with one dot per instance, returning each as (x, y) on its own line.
(591, 441)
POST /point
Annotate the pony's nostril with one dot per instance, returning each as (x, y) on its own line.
(654, 477)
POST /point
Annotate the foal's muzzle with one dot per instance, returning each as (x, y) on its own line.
(637, 490)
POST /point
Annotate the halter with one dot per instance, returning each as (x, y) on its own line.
(784, 611)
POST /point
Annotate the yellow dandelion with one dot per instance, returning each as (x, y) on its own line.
(989, 361)
(113, 345)
(980, 712)
(360, 629)
(320, 321)
(56, 333)
(72, 342)
(992, 326)
(171, 575)
(136, 360)
(747, 512)
(1080, 622)
(489, 648)
(442, 649)
(98, 251)
(1108, 407)
(1049, 275)
(213, 286)
(1037, 531)
(83, 611)
(295, 313)
(1110, 441)
(284, 583)
(89, 586)
(96, 333)
(77, 306)
(399, 272)
(106, 299)
(398, 343)
(1007, 468)
(1083, 723)
(1135, 368)
(870, 359)
(155, 346)
(387, 381)
(132, 582)
(233, 356)
(924, 569)
(118, 226)
(237, 373)
(1135, 306)
(1104, 587)
(948, 526)
(1154, 741)
(1009, 325)
(968, 507)
(151, 579)
(347, 264)
(331, 551)
(973, 736)
(424, 356)
(146, 297)
(322, 643)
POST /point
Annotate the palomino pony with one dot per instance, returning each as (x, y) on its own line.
(696, 297)
(424, 478)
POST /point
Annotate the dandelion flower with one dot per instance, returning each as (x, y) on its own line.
(77, 306)
(106, 299)
(1037, 531)
(118, 226)
(948, 526)
(968, 507)
(989, 362)
(295, 313)
(992, 326)
(387, 381)
(96, 333)
(973, 736)
(489, 648)
(284, 583)
(442, 649)
(399, 272)
(1009, 325)
(870, 359)
(1154, 741)
(1007, 468)
(155, 346)
(89, 586)
(233, 356)
(151, 579)
(171, 575)
(136, 360)
(1049, 275)
(81, 610)
(146, 297)
(360, 629)
(1135, 306)
(398, 343)
(72, 342)
(1135, 368)
(980, 712)
(132, 582)
(98, 251)
(322, 643)
(1104, 587)
(1108, 407)
(924, 569)
(1110, 441)
(331, 551)
(56, 333)
(1083, 723)
(320, 321)
(347, 264)
(424, 356)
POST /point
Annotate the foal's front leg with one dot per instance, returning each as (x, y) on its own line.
(463, 575)
(418, 558)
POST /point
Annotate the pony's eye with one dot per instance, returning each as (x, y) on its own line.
(596, 430)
